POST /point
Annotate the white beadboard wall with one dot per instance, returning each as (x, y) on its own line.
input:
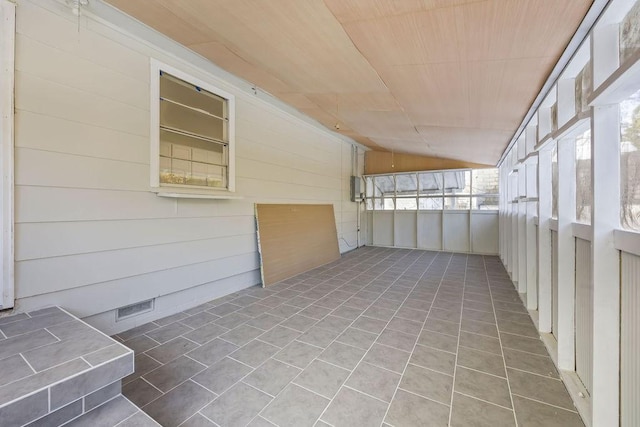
(630, 341)
(89, 235)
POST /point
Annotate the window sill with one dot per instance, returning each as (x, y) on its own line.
(189, 193)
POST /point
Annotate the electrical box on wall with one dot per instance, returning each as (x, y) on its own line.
(356, 192)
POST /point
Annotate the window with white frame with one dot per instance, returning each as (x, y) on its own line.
(584, 193)
(465, 189)
(630, 162)
(192, 134)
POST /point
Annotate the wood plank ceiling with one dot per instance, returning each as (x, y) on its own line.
(443, 78)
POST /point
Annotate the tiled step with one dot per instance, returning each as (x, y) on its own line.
(118, 411)
(54, 367)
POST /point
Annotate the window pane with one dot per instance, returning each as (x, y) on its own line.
(630, 162)
(554, 181)
(457, 182)
(485, 181)
(430, 203)
(387, 204)
(583, 177)
(431, 183)
(368, 186)
(179, 91)
(457, 203)
(369, 204)
(406, 184)
(406, 203)
(485, 203)
(383, 185)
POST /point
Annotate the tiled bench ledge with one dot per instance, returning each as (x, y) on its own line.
(54, 368)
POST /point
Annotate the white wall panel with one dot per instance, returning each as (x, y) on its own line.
(382, 228)
(89, 234)
(430, 230)
(584, 314)
(484, 232)
(630, 341)
(456, 231)
(554, 283)
(405, 229)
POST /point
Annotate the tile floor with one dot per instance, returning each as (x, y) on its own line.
(382, 337)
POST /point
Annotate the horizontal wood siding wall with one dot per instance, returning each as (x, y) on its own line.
(89, 235)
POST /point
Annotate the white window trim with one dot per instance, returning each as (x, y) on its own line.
(7, 66)
(154, 136)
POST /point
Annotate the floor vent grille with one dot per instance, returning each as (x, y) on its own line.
(134, 309)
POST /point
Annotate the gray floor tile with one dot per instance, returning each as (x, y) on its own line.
(442, 327)
(543, 389)
(241, 335)
(374, 381)
(447, 315)
(168, 332)
(179, 404)
(205, 333)
(224, 309)
(141, 343)
(265, 321)
(260, 422)
(352, 408)
(379, 313)
(198, 420)
(254, 353)
(482, 328)
(333, 323)
(534, 414)
(481, 361)
(222, 375)
(232, 320)
(272, 377)
(406, 326)
(518, 329)
(411, 410)
(172, 349)
(439, 341)
(369, 324)
(412, 314)
(517, 342)
(237, 407)
(480, 342)
(299, 322)
(434, 359)
(295, 407)
(386, 357)
(171, 319)
(469, 412)
(198, 320)
(284, 310)
(32, 324)
(140, 392)
(322, 378)
(427, 383)
(347, 312)
(142, 364)
(480, 316)
(26, 342)
(397, 340)
(483, 386)
(342, 355)
(318, 337)
(213, 351)
(357, 338)
(541, 365)
(315, 312)
(173, 373)
(298, 354)
(279, 336)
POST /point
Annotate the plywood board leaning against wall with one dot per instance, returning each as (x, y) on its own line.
(294, 238)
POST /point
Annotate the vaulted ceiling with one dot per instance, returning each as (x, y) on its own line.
(443, 78)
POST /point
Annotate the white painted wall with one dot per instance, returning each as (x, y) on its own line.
(89, 235)
(455, 231)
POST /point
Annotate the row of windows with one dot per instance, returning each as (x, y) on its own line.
(438, 190)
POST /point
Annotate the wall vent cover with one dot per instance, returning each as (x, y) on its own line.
(134, 309)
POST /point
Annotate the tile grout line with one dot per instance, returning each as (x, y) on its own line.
(545, 403)
(455, 365)
(504, 361)
(421, 329)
